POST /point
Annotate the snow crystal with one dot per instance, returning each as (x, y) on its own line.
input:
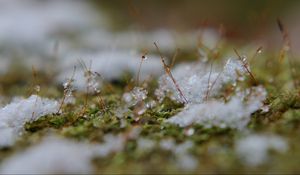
(68, 92)
(253, 149)
(137, 95)
(52, 155)
(111, 65)
(235, 113)
(14, 115)
(194, 79)
(135, 98)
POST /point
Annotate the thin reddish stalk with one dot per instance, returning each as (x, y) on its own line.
(169, 73)
(245, 65)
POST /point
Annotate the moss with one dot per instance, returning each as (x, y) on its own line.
(214, 147)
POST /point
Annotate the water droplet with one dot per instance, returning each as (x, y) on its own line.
(151, 104)
(127, 97)
(241, 78)
(142, 111)
(190, 131)
(271, 80)
(259, 51)
(65, 85)
(144, 57)
(223, 125)
(244, 59)
(37, 88)
(265, 108)
(97, 90)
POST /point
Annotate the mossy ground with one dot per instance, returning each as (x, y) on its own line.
(214, 147)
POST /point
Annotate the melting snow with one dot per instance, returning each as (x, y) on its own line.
(235, 113)
(111, 65)
(137, 95)
(14, 115)
(110, 145)
(145, 144)
(194, 79)
(53, 155)
(57, 155)
(184, 160)
(254, 149)
(36, 20)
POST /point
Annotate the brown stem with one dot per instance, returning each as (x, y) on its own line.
(169, 73)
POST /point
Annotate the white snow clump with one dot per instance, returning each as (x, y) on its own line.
(52, 155)
(56, 155)
(111, 65)
(111, 144)
(194, 79)
(184, 159)
(234, 114)
(14, 115)
(34, 21)
(254, 149)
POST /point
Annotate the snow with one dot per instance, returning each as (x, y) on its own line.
(184, 160)
(135, 96)
(58, 155)
(254, 149)
(235, 113)
(29, 29)
(145, 144)
(32, 21)
(168, 39)
(68, 92)
(7, 136)
(52, 155)
(194, 79)
(111, 65)
(14, 115)
(135, 39)
(210, 38)
(187, 162)
(110, 145)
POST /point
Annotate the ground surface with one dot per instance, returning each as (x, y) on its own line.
(124, 129)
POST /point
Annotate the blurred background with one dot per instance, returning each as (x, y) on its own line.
(35, 29)
(241, 20)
